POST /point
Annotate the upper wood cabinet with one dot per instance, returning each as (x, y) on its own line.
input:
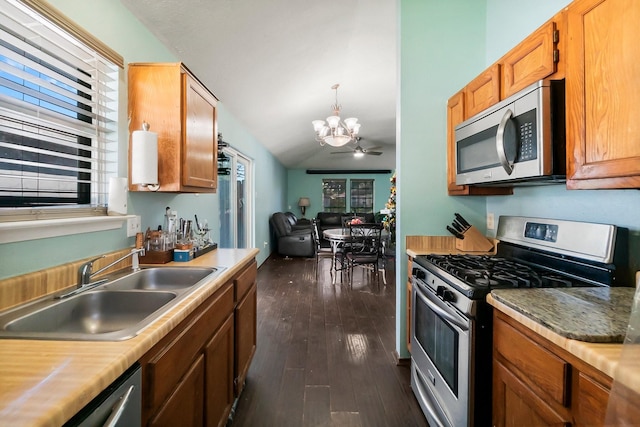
(482, 92)
(535, 58)
(183, 113)
(603, 88)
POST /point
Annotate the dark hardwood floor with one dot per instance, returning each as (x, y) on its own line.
(325, 352)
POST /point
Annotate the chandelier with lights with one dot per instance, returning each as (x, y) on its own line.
(336, 132)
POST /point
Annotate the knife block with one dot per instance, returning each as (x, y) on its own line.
(473, 241)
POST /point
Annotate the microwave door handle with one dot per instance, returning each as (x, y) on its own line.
(500, 147)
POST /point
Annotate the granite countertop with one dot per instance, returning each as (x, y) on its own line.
(44, 383)
(597, 315)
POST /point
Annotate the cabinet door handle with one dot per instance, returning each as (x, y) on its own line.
(119, 408)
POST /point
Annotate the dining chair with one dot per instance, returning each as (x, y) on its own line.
(365, 245)
(322, 251)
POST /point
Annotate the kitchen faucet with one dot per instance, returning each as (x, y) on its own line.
(85, 272)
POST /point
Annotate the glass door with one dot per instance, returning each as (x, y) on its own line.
(236, 207)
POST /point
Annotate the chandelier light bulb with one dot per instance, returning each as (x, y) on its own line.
(317, 125)
(350, 122)
(333, 121)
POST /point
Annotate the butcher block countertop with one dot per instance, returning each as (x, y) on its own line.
(565, 316)
(438, 245)
(45, 383)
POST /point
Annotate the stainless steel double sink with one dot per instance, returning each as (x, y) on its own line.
(117, 310)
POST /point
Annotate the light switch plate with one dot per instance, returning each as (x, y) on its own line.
(133, 225)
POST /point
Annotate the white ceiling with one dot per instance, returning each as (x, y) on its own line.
(272, 64)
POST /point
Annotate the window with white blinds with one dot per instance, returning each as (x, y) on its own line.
(58, 117)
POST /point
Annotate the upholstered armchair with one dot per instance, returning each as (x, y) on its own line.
(291, 242)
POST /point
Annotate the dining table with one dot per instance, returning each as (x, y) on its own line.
(337, 238)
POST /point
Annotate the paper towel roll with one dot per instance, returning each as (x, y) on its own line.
(117, 201)
(144, 157)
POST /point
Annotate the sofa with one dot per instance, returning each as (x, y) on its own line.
(290, 242)
(328, 220)
(297, 224)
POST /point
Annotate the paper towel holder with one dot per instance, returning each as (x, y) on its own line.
(144, 158)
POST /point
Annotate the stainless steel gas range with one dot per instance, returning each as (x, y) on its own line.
(451, 322)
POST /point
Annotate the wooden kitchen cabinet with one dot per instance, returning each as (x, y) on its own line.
(482, 92)
(184, 407)
(246, 325)
(175, 369)
(535, 58)
(184, 114)
(535, 382)
(219, 377)
(603, 86)
(201, 365)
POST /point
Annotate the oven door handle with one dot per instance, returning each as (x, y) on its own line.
(464, 326)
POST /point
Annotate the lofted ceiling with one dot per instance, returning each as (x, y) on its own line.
(272, 64)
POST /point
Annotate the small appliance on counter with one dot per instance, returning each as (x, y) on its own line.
(451, 322)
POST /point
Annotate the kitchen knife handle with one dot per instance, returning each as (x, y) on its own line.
(455, 233)
(462, 220)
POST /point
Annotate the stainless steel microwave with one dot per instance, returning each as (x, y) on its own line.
(519, 141)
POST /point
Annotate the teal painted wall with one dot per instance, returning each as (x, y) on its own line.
(301, 184)
(441, 49)
(112, 23)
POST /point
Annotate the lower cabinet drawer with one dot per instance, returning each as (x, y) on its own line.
(245, 280)
(538, 367)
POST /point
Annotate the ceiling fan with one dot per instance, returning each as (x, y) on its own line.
(358, 151)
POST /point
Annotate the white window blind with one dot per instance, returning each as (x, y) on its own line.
(58, 118)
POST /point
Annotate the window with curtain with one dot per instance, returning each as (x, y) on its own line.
(58, 115)
(361, 195)
(334, 195)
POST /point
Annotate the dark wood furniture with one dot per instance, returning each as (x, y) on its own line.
(193, 375)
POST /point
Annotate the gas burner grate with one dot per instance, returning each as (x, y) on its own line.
(489, 272)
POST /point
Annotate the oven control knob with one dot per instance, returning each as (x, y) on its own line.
(448, 296)
(419, 274)
(445, 294)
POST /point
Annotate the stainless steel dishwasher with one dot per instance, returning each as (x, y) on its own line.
(119, 405)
